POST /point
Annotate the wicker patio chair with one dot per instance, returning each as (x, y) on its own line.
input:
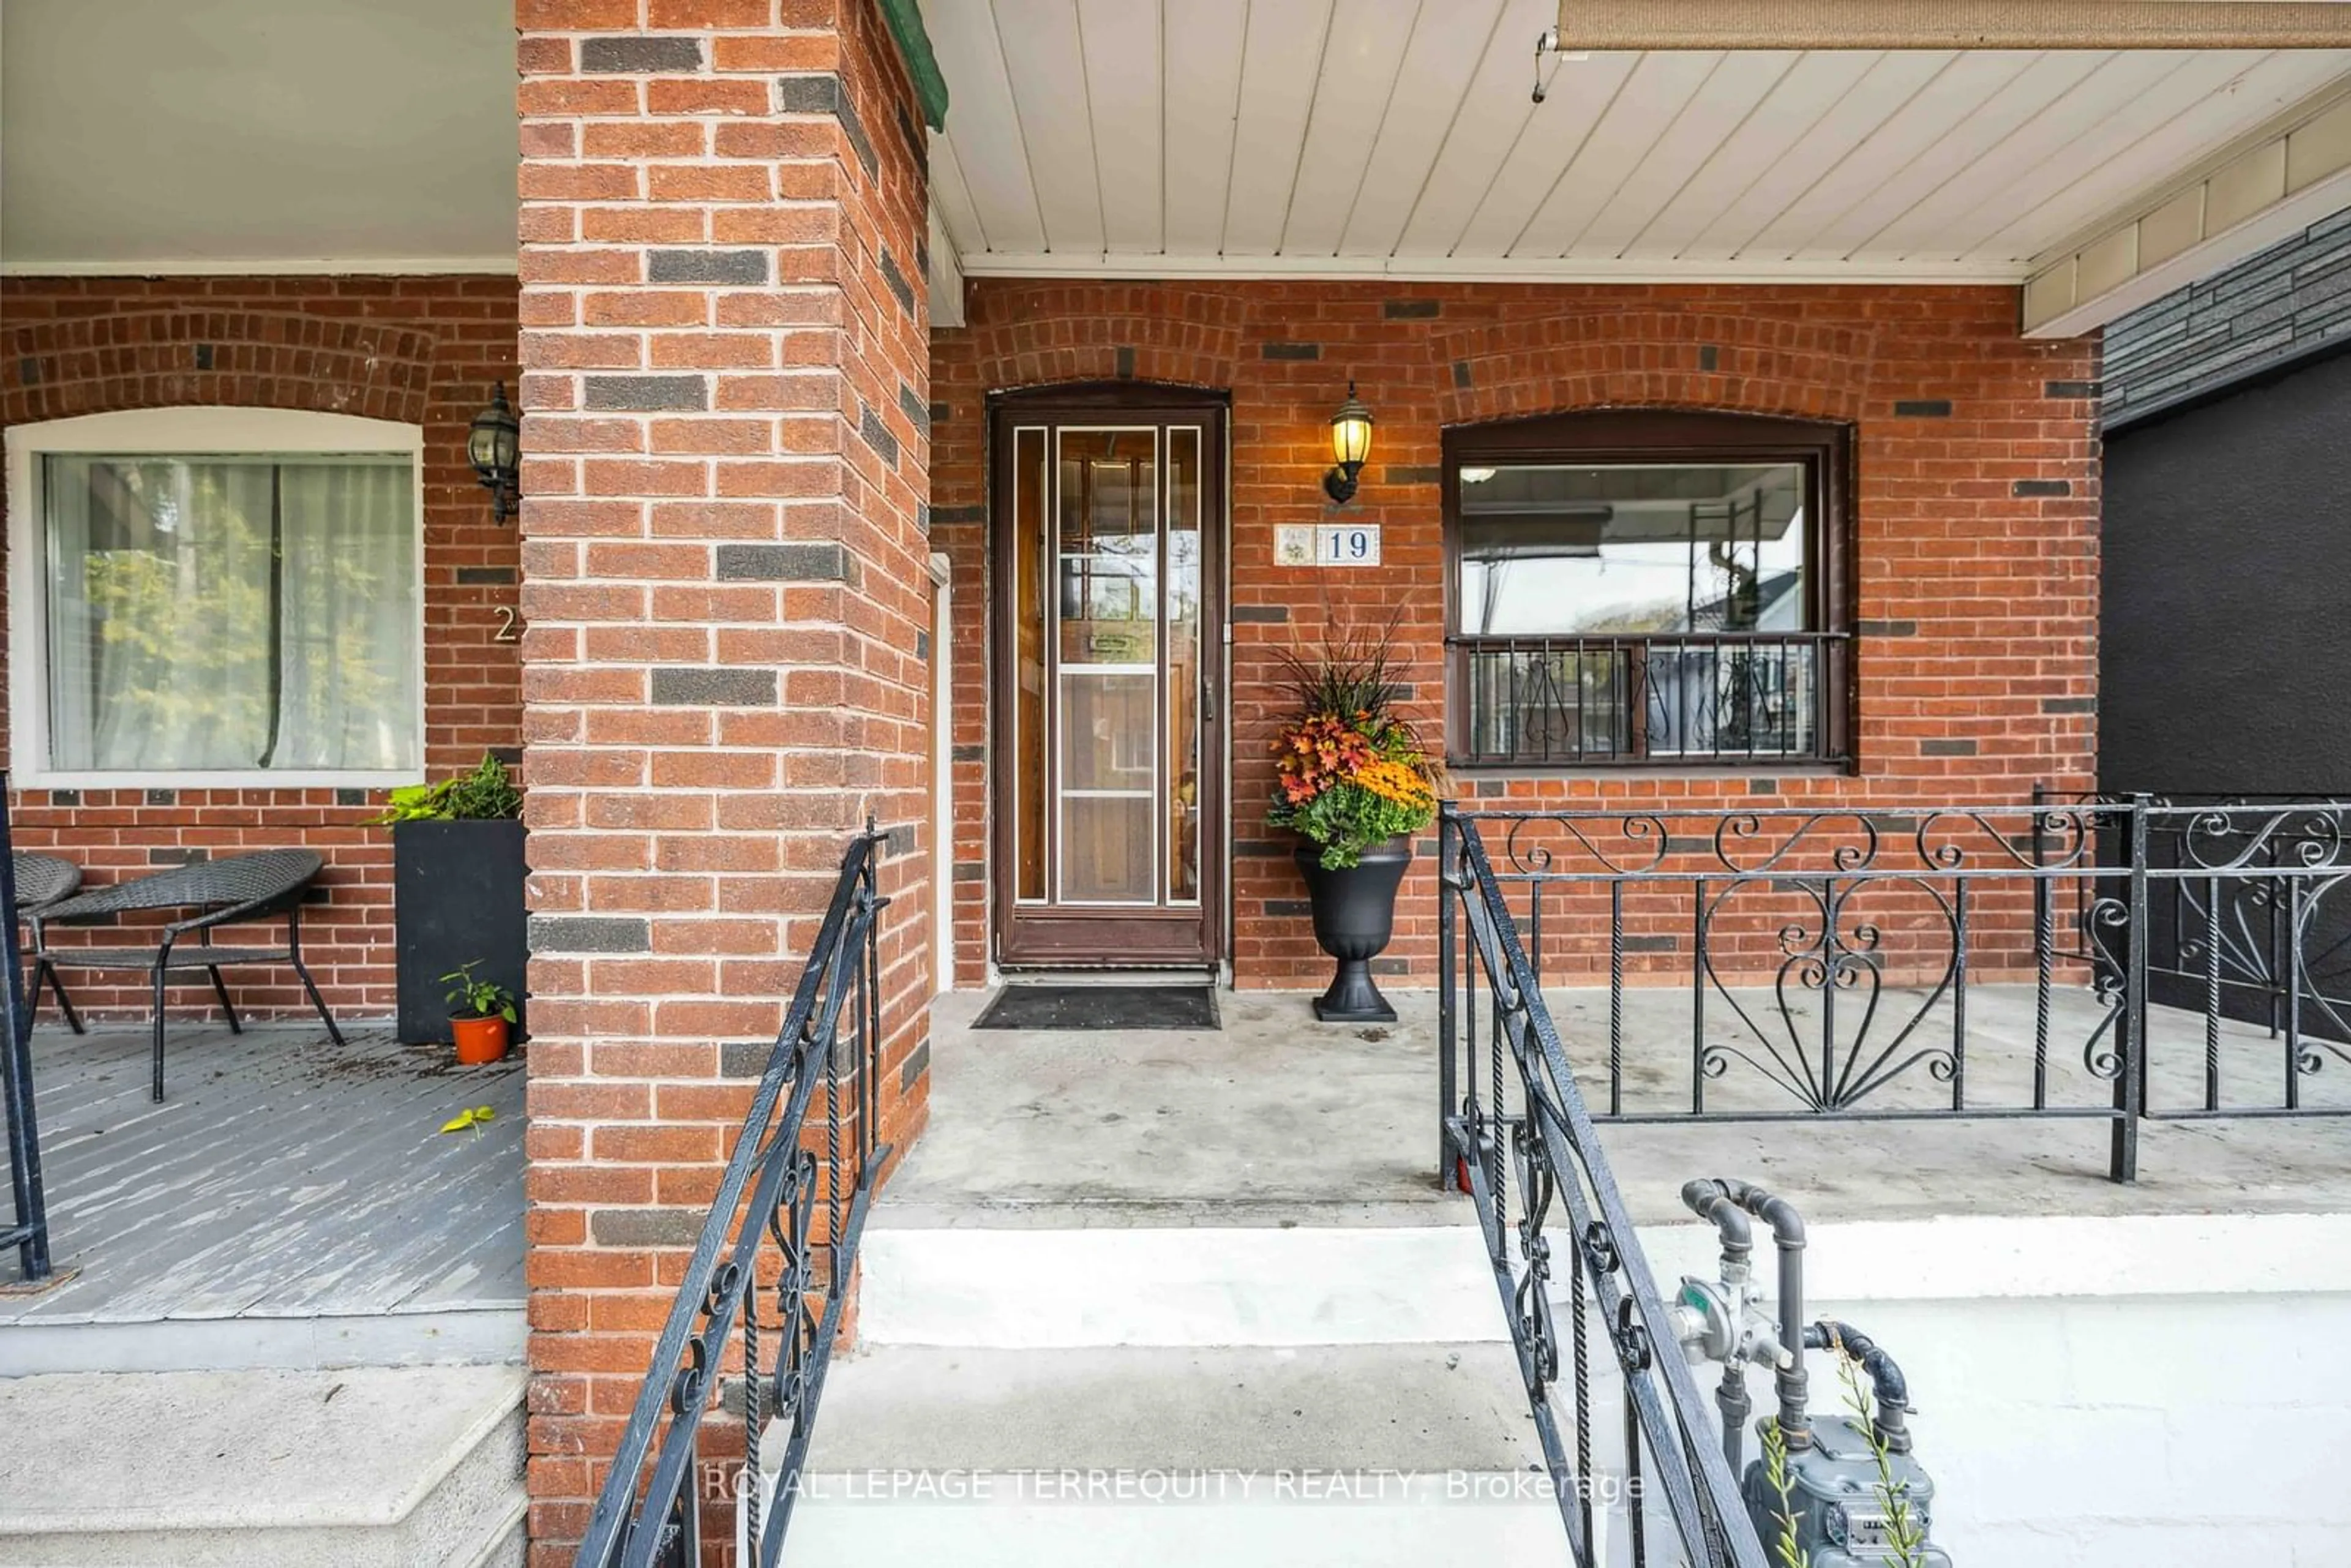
(42, 880)
(233, 892)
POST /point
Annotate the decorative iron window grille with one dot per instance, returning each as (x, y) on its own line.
(1648, 588)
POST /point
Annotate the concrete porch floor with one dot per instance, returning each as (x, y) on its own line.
(291, 1203)
(1275, 1119)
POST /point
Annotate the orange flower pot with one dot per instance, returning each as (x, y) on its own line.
(479, 1041)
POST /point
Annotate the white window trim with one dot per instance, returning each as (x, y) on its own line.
(177, 431)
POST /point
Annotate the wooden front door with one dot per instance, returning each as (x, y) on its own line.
(1109, 529)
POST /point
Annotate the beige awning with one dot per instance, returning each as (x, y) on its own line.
(1597, 25)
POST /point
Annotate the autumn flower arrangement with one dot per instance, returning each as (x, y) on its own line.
(1350, 771)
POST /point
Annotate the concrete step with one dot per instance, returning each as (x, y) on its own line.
(1177, 1285)
(1346, 1454)
(370, 1468)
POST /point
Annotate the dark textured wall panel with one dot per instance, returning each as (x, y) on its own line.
(2226, 649)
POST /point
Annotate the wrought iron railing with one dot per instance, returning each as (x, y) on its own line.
(2254, 949)
(1522, 1140)
(28, 1228)
(1682, 697)
(807, 1144)
(2071, 960)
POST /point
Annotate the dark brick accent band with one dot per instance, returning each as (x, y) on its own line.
(896, 281)
(1125, 361)
(485, 576)
(802, 560)
(1923, 408)
(2071, 390)
(707, 266)
(1412, 309)
(204, 356)
(1412, 474)
(957, 516)
(1263, 849)
(821, 93)
(917, 1062)
(1653, 944)
(1947, 748)
(744, 1058)
(2069, 704)
(589, 934)
(178, 856)
(877, 435)
(971, 870)
(1889, 628)
(163, 796)
(1293, 350)
(1288, 908)
(913, 408)
(676, 685)
(644, 1227)
(351, 796)
(1260, 614)
(1709, 357)
(627, 54)
(2043, 487)
(1461, 374)
(973, 753)
(644, 395)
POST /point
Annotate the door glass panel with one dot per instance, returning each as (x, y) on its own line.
(1106, 720)
(1107, 607)
(1109, 537)
(1185, 679)
(1106, 849)
(1029, 476)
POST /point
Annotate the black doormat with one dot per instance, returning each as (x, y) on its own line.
(1102, 1007)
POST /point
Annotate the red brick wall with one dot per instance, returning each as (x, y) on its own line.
(725, 571)
(1977, 588)
(422, 350)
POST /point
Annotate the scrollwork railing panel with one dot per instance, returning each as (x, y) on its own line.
(753, 1279)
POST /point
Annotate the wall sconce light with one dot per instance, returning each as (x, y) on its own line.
(495, 444)
(1351, 445)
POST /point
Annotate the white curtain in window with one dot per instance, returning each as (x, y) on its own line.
(349, 626)
(232, 615)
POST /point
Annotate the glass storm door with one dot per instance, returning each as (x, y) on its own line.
(1108, 785)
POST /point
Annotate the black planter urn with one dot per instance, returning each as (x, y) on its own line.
(1354, 915)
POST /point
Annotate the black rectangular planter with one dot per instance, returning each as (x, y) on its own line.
(457, 898)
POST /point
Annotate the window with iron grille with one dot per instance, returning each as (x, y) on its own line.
(1648, 588)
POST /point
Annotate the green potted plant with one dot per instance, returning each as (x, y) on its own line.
(1354, 781)
(457, 859)
(480, 1013)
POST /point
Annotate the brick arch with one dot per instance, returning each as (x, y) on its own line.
(156, 359)
(1655, 358)
(1042, 334)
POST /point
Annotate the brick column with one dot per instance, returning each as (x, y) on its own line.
(725, 380)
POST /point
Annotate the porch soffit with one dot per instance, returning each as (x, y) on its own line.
(151, 136)
(1397, 138)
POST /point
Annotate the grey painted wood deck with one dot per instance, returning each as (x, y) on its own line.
(285, 1181)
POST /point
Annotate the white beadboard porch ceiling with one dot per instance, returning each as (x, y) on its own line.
(1397, 137)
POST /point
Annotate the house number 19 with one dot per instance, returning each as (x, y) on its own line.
(1327, 544)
